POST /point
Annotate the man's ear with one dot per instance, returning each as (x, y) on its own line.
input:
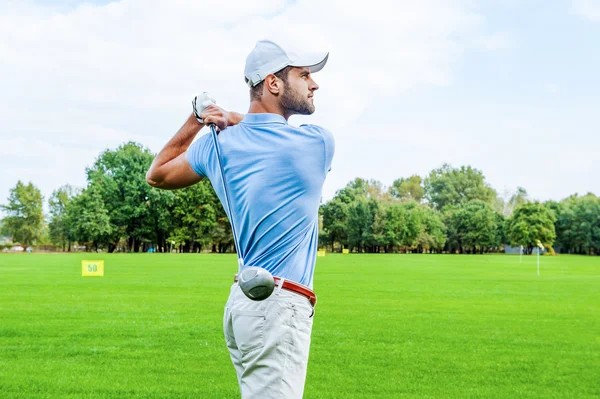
(273, 84)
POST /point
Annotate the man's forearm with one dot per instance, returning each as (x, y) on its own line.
(179, 143)
(170, 170)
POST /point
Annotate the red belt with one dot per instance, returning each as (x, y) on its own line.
(295, 287)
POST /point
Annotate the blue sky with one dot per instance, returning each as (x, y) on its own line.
(508, 87)
(549, 46)
(536, 95)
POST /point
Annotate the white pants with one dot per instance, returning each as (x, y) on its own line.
(269, 342)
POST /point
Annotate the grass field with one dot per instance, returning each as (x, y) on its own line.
(386, 326)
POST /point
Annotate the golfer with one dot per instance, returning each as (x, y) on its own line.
(274, 175)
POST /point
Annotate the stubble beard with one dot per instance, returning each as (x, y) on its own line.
(293, 102)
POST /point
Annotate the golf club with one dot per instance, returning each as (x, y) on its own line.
(255, 282)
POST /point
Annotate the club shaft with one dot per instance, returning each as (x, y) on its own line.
(227, 199)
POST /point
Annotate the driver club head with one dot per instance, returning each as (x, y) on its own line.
(256, 283)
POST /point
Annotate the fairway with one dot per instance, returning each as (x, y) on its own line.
(386, 326)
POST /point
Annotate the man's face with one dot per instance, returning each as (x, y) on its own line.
(297, 95)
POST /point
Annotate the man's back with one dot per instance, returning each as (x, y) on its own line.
(275, 174)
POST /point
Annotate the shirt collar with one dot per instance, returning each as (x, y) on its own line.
(263, 118)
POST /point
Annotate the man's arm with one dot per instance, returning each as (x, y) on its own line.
(170, 169)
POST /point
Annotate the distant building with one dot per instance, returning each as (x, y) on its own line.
(9, 245)
(516, 250)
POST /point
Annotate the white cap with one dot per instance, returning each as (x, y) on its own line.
(268, 57)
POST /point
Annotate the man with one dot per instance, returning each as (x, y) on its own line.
(274, 174)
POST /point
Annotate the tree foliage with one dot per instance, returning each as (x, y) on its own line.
(24, 219)
(577, 224)
(59, 226)
(473, 227)
(529, 223)
(408, 189)
(448, 186)
(364, 219)
(452, 210)
(118, 210)
(88, 218)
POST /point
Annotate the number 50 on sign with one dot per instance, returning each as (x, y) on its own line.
(92, 268)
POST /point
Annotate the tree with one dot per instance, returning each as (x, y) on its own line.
(395, 226)
(119, 177)
(481, 229)
(587, 220)
(408, 189)
(25, 219)
(501, 238)
(88, 218)
(335, 219)
(448, 186)
(365, 188)
(221, 235)
(195, 211)
(455, 228)
(361, 218)
(409, 225)
(473, 227)
(59, 224)
(159, 220)
(529, 223)
(578, 224)
(337, 224)
(432, 231)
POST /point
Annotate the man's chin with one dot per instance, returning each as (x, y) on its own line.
(302, 109)
(309, 110)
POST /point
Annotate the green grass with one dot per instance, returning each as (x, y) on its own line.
(386, 326)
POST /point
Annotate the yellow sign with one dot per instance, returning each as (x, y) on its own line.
(321, 252)
(345, 251)
(92, 268)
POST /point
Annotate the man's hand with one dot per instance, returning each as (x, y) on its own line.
(221, 118)
(170, 169)
(207, 113)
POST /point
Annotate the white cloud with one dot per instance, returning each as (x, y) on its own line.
(589, 9)
(74, 82)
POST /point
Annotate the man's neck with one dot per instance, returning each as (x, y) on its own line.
(260, 107)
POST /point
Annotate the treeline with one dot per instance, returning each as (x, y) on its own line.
(451, 210)
(454, 210)
(119, 211)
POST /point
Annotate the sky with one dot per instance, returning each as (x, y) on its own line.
(507, 87)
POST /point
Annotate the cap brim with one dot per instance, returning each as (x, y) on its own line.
(315, 61)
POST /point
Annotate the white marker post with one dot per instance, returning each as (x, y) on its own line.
(540, 247)
(521, 255)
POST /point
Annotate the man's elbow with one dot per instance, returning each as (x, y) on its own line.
(169, 179)
(152, 180)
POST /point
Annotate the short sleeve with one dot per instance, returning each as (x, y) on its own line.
(197, 154)
(328, 142)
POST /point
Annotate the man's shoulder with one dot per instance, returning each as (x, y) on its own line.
(318, 129)
(197, 153)
(201, 142)
(311, 126)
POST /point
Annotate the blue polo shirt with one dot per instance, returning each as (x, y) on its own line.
(275, 174)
